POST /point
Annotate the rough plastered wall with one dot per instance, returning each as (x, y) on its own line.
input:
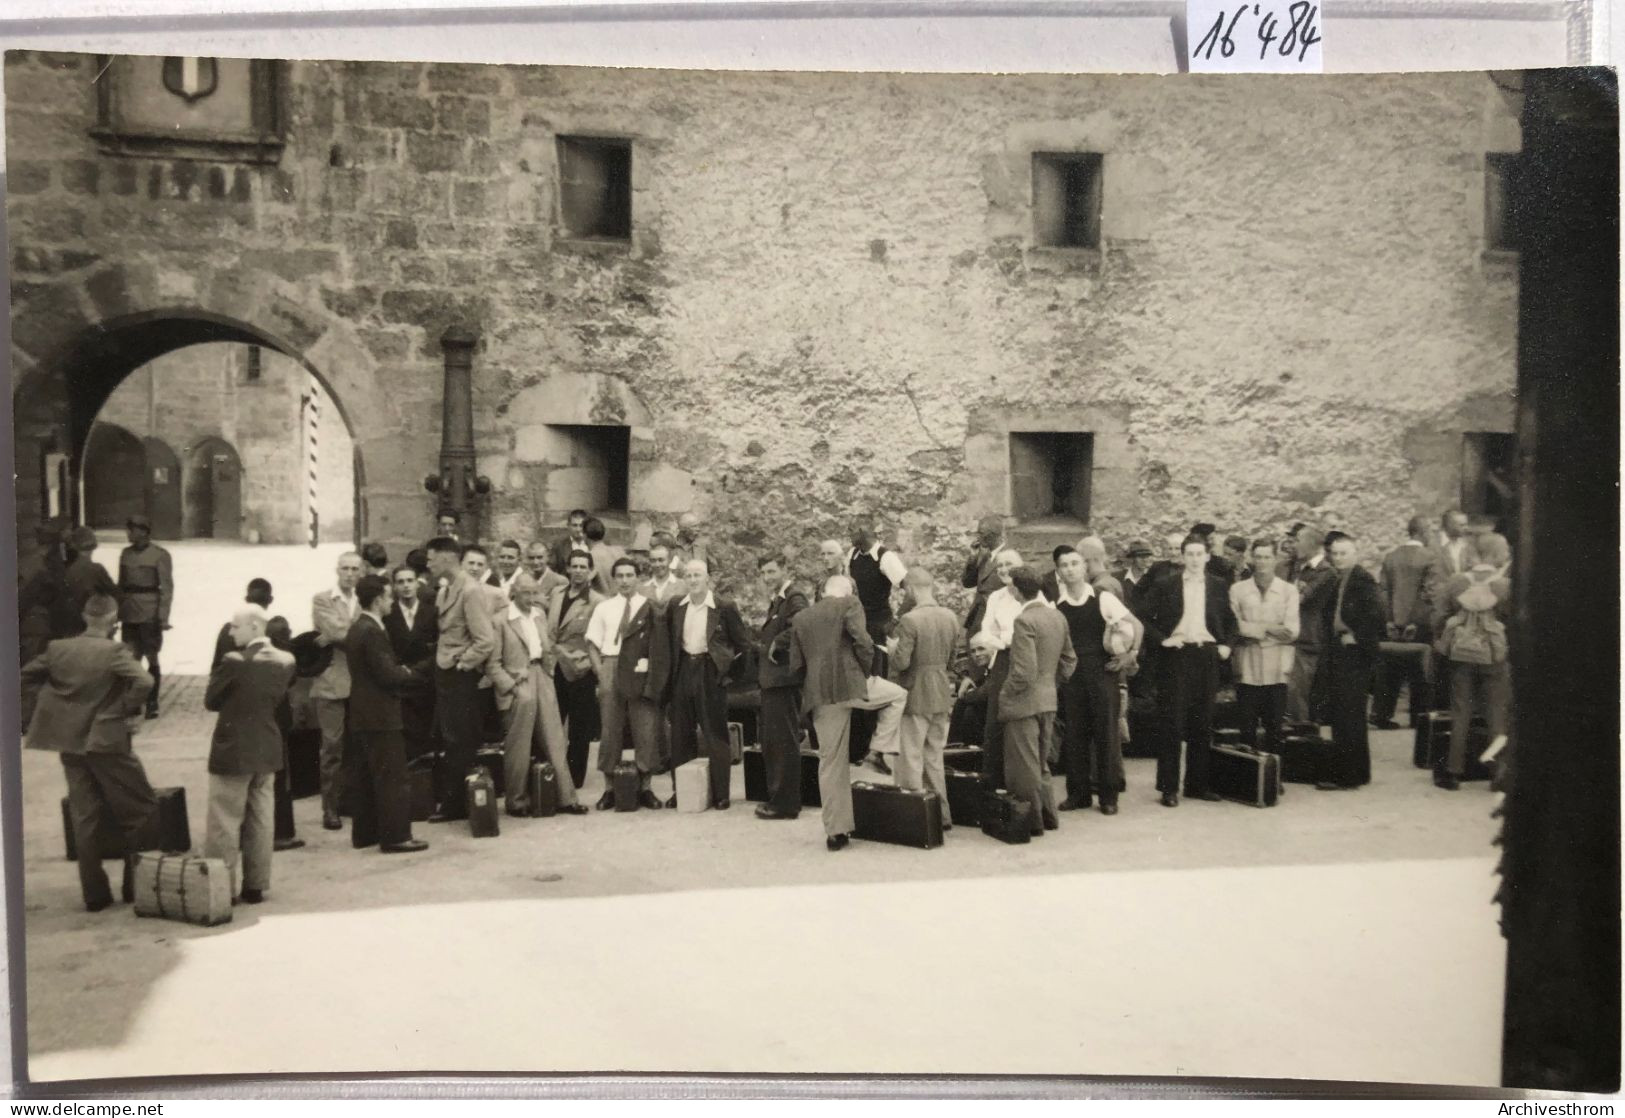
(831, 301)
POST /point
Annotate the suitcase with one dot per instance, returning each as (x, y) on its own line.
(484, 821)
(491, 760)
(1438, 730)
(623, 781)
(1300, 754)
(1227, 737)
(885, 813)
(967, 722)
(692, 783)
(183, 887)
(755, 764)
(542, 786)
(1244, 775)
(169, 829)
(736, 742)
(963, 759)
(305, 763)
(1226, 711)
(420, 784)
(965, 792)
(1006, 818)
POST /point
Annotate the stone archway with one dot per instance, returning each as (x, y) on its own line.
(115, 471)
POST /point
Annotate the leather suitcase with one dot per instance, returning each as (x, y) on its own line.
(1006, 818)
(1244, 775)
(183, 887)
(963, 759)
(542, 784)
(1300, 754)
(491, 760)
(420, 782)
(965, 792)
(169, 829)
(1226, 711)
(623, 781)
(484, 820)
(885, 813)
(967, 722)
(305, 763)
(691, 782)
(1439, 727)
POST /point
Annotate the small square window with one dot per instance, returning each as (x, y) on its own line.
(595, 187)
(1050, 473)
(593, 467)
(1066, 199)
(251, 367)
(1500, 201)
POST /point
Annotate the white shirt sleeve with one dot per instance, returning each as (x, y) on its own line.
(893, 567)
(598, 624)
(1111, 608)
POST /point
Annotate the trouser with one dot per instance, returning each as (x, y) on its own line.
(532, 728)
(456, 712)
(833, 723)
(330, 718)
(240, 828)
(1484, 689)
(1091, 749)
(1348, 677)
(992, 729)
(578, 711)
(146, 639)
(380, 793)
(114, 783)
(1394, 670)
(620, 712)
(1187, 678)
(1304, 690)
(780, 733)
(864, 721)
(1261, 703)
(921, 739)
(700, 700)
(418, 722)
(1026, 744)
(282, 804)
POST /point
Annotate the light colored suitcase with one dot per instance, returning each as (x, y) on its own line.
(692, 781)
(183, 887)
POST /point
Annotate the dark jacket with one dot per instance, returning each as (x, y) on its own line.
(376, 679)
(645, 640)
(726, 637)
(245, 689)
(1162, 604)
(414, 646)
(1363, 611)
(1314, 585)
(773, 657)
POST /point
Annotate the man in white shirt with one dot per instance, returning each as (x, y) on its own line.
(620, 640)
(875, 570)
(538, 564)
(1104, 637)
(706, 637)
(664, 583)
(332, 611)
(529, 703)
(1266, 609)
(506, 568)
(993, 641)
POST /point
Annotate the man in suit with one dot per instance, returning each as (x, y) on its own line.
(528, 701)
(84, 576)
(1133, 576)
(413, 627)
(979, 573)
(922, 649)
(569, 611)
(375, 559)
(477, 565)
(1091, 748)
(574, 539)
(89, 688)
(623, 640)
(538, 562)
(663, 585)
(376, 754)
(445, 525)
(1353, 619)
(832, 655)
(257, 594)
(1189, 619)
(506, 567)
(1041, 655)
(332, 611)
(466, 640)
(1312, 574)
(780, 717)
(246, 752)
(705, 636)
(1455, 555)
(1407, 573)
(146, 585)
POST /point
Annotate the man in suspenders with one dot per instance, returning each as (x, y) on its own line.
(875, 571)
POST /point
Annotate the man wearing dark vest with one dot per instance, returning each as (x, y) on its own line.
(1090, 745)
(875, 571)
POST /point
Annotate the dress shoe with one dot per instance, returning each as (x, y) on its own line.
(444, 816)
(1327, 786)
(287, 844)
(332, 822)
(649, 800)
(97, 906)
(672, 803)
(606, 801)
(876, 762)
(1210, 796)
(722, 805)
(1070, 804)
(152, 712)
(574, 809)
(410, 846)
(1051, 823)
(253, 896)
(1170, 799)
(837, 842)
(1108, 809)
(1385, 724)
(1447, 782)
(522, 811)
(767, 811)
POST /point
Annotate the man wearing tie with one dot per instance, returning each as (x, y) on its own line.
(706, 637)
(780, 692)
(466, 641)
(332, 611)
(527, 700)
(1353, 618)
(621, 640)
(413, 629)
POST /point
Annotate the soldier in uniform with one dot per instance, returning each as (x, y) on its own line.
(147, 585)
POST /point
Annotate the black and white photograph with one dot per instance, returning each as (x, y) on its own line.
(544, 570)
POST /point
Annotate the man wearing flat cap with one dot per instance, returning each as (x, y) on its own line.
(147, 587)
(1134, 576)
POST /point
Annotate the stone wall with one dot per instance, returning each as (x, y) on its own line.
(831, 301)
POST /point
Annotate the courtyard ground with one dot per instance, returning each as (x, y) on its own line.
(1335, 936)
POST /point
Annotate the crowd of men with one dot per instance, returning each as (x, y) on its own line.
(549, 646)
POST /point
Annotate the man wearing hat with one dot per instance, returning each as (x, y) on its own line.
(88, 687)
(84, 577)
(1133, 577)
(146, 581)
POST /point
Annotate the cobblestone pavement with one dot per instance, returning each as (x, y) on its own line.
(1148, 943)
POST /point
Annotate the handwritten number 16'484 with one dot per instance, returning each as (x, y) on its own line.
(1299, 36)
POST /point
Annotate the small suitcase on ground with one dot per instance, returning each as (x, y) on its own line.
(484, 820)
(885, 813)
(1300, 754)
(965, 792)
(962, 758)
(1440, 728)
(1244, 775)
(183, 887)
(692, 783)
(736, 741)
(1006, 818)
(542, 786)
(623, 781)
(305, 763)
(491, 760)
(420, 783)
(169, 829)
